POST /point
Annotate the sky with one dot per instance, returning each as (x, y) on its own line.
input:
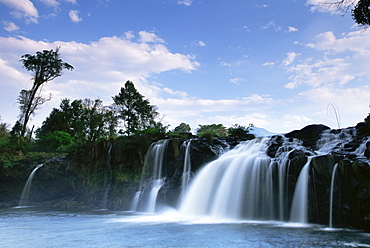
(280, 65)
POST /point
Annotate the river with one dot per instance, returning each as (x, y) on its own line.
(34, 227)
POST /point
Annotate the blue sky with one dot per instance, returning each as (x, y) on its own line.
(280, 65)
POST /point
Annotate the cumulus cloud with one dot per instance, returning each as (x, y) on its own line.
(149, 37)
(10, 26)
(185, 2)
(22, 9)
(51, 3)
(292, 29)
(101, 67)
(290, 57)
(343, 59)
(73, 14)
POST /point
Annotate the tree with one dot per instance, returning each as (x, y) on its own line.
(135, 111)
(45, 66)
(182, 128)
(361, 12)
(240, 131)
(214, 129)
(360, 9)
(84, 120)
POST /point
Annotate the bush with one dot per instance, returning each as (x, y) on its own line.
(54, 140)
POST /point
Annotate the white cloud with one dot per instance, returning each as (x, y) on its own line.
(73, 14)
(292, 29)
(52, 3)
(146, 37)
(237, 80)
(101, 68)
(332, 6)
(71, 1)
(10, 26)
(269, 64)
(201, 43)
(290, 57)
(22, 9)
(272, 24)
(343, 59)
(185, 2)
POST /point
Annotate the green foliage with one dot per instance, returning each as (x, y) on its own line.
(182, 128)
(4, 135)
(240, 131)
(135, 111)
(56, 139)
(45, 66)
(83, 120)
(361, 12)
(208, 135)
(214, 129)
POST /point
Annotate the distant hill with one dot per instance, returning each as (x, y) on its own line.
(260, 132)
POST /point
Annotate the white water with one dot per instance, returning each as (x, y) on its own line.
(27, 187)
(300, 199)
(331, 196)
(186, 173)
(219, 188)
(151, 179)
(246, 184)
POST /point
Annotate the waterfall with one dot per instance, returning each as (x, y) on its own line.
(330, 140)
(245, 183)
(186, 173)
(331, 196)
(151, 178)
(233, 186)
(300, 198)
(26, 190)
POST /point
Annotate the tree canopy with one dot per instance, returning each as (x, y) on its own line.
(45, 66)
(135, 111)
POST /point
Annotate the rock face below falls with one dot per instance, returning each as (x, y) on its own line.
(112, 174)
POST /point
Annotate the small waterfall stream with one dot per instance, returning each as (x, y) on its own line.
(331, 195)
(300, 199)
(186, 173)
(26, 190)
(151, 178)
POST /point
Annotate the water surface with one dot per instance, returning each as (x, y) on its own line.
(29, 227)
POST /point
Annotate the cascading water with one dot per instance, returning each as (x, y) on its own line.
(261, 179)
(26, 190)
(186, 174)
(240, 184)
(300, 199)
(331, 196)
(151, 178)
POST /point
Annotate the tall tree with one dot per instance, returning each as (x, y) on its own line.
(134, 110)
(360, 9)
(45, 66)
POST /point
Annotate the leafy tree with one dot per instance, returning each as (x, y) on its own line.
(135, 111)
(214, 129)
(84, 120)
(360, 9)
(182, 128)
(45, 66)
(4, 134)
(240, 131)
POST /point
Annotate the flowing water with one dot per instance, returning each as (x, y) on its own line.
(27, 187)
(29, 227)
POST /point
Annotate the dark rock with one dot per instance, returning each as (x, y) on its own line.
(309, 134)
